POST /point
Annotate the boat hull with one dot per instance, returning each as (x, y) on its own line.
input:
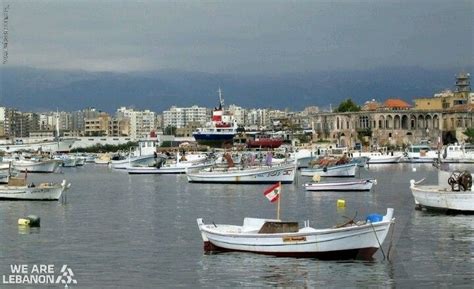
(265, 143)
(362, 253)
(282, 173)
(338, 243)
(362, 185)
(347, 170)
(49, 166)
(431, 197)
(384, 159)
(35, 193)
(134, 161)
(165, 169)
(64, 145)
(214, 140)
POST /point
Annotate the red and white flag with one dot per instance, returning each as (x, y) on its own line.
(273, 192)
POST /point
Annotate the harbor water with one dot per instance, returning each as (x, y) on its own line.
(116, 230)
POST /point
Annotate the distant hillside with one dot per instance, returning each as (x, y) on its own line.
(38, 89)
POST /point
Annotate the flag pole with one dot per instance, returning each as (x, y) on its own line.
(279, 199)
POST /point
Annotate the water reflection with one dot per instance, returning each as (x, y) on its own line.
(245, 269)
(26, 230)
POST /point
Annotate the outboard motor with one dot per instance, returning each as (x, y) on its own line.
(460, 180)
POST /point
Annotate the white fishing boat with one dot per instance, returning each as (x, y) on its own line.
(66, 160)
(345, 170)
(143, 155)
(360, 161)
(453, 192)
(353, 185)
(456, 153)
(274, 237)
(379, 157)
(421, 153)
(133, 161)
(36, 166)
(284, 173)
(169, 168)
(80, 160)
(25, 144)
(17, 189)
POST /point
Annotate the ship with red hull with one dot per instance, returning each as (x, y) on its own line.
(265, 141)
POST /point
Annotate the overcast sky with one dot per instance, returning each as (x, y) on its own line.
(240, 36)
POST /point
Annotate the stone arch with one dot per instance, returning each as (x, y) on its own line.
(396, 122)
(421, 122)
(337, 123)
(428, 122)
(413, 122)
(382, 122)
(404, 122)
(343, 142)
(435, 121)
(389, 122)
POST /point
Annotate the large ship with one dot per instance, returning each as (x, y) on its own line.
(220, 131)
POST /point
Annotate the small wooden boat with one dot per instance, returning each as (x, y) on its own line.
(32, 166)
(17, 189)
(380, 157)
(454, 192)
(353, 185)
(383, 159)
(345, 170)
(133, 161)
(169, 168)
(274, 237)
(284, 173)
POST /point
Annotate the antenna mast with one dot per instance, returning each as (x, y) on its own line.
(221, 100)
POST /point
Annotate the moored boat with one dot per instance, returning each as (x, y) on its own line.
(53, 146)
(32, 166)
(274, 237)
(169, 168)
(454, 192)
(17, 189)
(421, 153)
(284, 173)
(352, 185)
(344, 170)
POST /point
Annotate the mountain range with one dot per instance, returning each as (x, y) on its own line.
(33, 89)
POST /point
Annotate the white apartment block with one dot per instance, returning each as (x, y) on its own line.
(142, 122)
(258, 118)
(240, 114)
(180, 117)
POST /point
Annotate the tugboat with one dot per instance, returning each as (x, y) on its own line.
(220, 131)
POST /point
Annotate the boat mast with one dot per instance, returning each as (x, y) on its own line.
(57, 126)
(221, 100)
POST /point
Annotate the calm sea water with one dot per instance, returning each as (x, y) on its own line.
(121, 231)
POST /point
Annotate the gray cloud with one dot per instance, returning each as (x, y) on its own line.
(240, 36)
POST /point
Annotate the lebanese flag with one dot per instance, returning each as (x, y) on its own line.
(273, 192)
